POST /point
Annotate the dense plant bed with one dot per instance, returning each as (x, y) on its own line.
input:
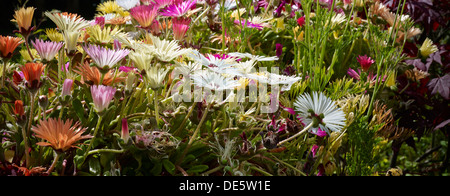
(228, 87)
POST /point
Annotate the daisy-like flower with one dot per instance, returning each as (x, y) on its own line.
(180, 27)
(71, 41)
(248, 24)
(160, 3)
(47, 49)
(321, 111)
(60, 135)
(141, 59)
(254, 57)
(104, 57)
(128, 4)
(165, 50)
(215, 63)
(427, 48)
(92, 76)
(178, 8)
(8, 44)
(32, 73)
(24, 17)
(365, 62)
(54, 35)
(155, 77)
(68, 22)
(102, 96)
(104, 35)
(144, 14)
(214, 81)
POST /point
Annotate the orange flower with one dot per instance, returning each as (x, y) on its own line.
(18, 108)
(24, 17)
(60, 135)
(32, 73)
(8, 44)
(92, 76)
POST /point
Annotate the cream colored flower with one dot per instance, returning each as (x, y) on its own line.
(427, 48)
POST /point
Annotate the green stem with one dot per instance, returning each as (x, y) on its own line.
(55, 160)
(94, 136)
(185, 119)
(296, 135)
(194, 136)
(156, 107)
(5, 62)
(105, 151)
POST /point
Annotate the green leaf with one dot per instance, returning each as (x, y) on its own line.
(157, 168)
(169, 166)
(94, 166)
(197, 169)
(78, 107)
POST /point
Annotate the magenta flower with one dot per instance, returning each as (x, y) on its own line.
(67, 87)
(301, 21)
(144, 14)
(102, 96)
(125, 132)
(104, 57)
(365, 62)
(278, 49)
(357, 75)
(245, 23)
(47, 49)
(180, 27)
(161, 3)
(178, 8)
(314, 150)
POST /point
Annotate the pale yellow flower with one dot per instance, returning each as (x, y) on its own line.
(427, 48)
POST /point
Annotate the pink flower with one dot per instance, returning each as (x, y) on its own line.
(102, 96)
(144, 14)
(245, 23)
(47, 49)
(314, 149)
(178, 8)
(301, 21)
(180, 27)
(161, 3)
(357, 75)
(105, 57)
(365, 62)
(67, 87)
(125, 132)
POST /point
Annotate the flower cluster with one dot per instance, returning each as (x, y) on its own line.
(208, 87)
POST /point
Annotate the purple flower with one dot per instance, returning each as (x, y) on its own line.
(178, 8)
(357, 75)
(102, 96)
(105, 57)
(249, 24)
(47, 49)
(67, 87)
(314, 149)
(279, 49)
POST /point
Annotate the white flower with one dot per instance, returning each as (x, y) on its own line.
(127, 4)
(254, 57)
(166, 50)
(141, 59)
(321, 111)
(213, 81)
(155, 77)
(274, 79)
(71, 23)
(187, 69)
(216, 64)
